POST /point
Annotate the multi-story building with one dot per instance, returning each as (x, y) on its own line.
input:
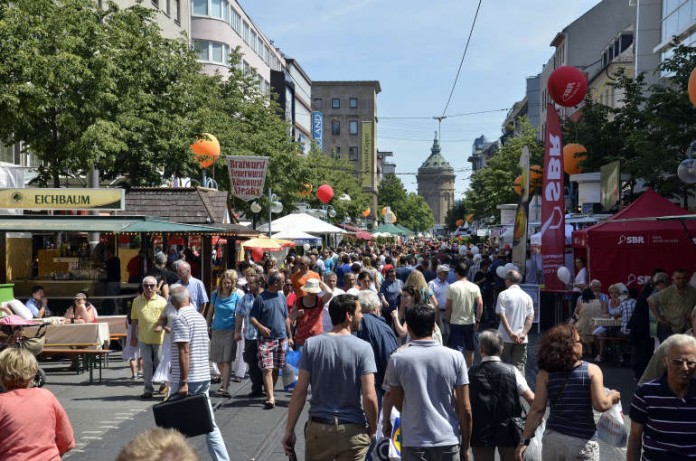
(173, 16)
(581, 43)
(294, 90)
(383, 166)
(349, 113)
(659, 25)
(436, 184)
(481, 151)
(618, 54)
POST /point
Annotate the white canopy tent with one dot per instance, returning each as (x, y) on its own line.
(298, 236)
(302, 222)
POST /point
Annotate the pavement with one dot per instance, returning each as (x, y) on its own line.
(107, 414)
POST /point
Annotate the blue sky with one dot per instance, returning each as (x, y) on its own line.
(414, 49)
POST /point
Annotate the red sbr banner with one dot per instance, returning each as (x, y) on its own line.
(553, 203)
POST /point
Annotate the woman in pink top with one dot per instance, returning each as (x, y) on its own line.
(33, 424)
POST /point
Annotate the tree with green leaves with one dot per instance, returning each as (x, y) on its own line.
(86, 87)
(412, 211)
(493, 185)
(651, 130)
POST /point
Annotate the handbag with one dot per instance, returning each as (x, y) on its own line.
(189, 415)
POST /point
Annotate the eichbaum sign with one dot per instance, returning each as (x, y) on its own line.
(62, 199)
(247, 175)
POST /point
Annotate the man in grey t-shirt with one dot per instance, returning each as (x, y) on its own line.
(341, 368)
(429, 385)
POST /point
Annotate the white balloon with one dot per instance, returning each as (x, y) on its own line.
(306, 247)
(510, 267)
(563, 274)
(501, 271)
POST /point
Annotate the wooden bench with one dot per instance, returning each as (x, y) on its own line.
(91, 358)
(86, 340)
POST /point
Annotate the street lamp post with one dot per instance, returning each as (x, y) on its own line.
(256, 209)
(274, 206)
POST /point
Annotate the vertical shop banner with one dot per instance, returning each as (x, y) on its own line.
(247, 175)
(318, 129)
(553, 203)
(367, 167)
(519, 233)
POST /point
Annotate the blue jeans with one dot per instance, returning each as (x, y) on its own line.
(216, 445)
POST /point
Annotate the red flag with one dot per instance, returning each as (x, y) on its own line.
(553, 203)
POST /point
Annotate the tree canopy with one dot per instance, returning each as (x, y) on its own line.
(412, 211)
(649, 132)
(493, 185)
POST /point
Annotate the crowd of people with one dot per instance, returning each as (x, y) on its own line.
(428, 329)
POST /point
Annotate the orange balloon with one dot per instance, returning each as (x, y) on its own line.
(517, 185)
(536, 174)
(306, 192)
(384, 211)
(572, 157)
(366, 212)
(692, 87)
(206, 150)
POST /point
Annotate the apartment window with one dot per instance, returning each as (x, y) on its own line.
(353, 127)
(318, 104)
(353, 103)
(335, 103)
(216, 8)
(252, 40)
(6, 153)
(217, 55)
(200, 7)
(155, 3)
(236, 21)
(335, 127)
(353, 153)
(177, 11)
(336, 152)
(245, 32)
(201, 49)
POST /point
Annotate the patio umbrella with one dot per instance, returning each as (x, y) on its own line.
(262, 244)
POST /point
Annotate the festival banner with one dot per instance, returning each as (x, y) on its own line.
(519, 233)
(367, 168)
(247, 175)
(610, 185)
(63, 199)
(553, 203)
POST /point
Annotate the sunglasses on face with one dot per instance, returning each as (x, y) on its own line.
(149, 285)
(680, 362)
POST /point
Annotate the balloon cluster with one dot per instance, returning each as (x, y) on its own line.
(502, 271)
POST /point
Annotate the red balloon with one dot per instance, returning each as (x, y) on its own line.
(567, 86)
(325, 193)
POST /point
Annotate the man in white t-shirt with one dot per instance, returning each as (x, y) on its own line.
(463, 310)
(331, 281)
(516, 312)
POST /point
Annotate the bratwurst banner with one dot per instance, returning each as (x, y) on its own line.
(553, 203)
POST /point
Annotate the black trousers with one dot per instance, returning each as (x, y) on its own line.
(250, 356)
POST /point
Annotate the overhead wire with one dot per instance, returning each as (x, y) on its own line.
(461, 62)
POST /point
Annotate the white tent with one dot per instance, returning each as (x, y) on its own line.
(302, 222)
(297, 236)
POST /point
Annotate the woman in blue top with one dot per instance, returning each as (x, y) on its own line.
(573, 388)
(223, 347)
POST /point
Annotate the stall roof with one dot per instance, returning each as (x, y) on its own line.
(90, 223)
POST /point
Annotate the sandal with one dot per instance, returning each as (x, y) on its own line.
(223, 393)
(268, 404)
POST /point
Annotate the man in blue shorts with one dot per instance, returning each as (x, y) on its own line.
(269, 315)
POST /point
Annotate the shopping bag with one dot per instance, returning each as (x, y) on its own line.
(395, 440)
(611, 428)
(291, 370)
(533, 451)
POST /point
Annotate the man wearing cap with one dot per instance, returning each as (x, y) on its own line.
(300, 277)
(439, 286)
(145, 314)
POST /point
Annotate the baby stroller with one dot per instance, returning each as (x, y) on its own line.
(11, 335)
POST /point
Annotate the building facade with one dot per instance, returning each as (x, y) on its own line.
(436, 184)
(581, 43)
(173, 16)
(349, 113)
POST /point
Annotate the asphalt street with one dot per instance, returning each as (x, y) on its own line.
(106, 415)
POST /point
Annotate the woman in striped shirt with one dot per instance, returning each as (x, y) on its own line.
(572, 387)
